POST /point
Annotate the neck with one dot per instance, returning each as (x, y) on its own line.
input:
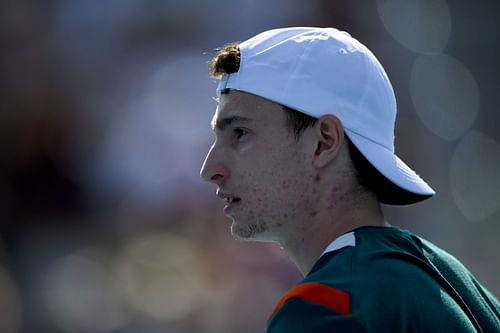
(345, 212)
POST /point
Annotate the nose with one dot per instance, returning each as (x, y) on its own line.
(213, 169)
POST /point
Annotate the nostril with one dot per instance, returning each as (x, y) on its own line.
(216, 177)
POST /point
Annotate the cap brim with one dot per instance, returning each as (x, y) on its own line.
(404, 186)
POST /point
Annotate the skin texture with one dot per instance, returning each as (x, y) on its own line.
(301, 194)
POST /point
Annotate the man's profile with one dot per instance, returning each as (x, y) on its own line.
(304, 157)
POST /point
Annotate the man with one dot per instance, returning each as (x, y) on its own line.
(304, 156)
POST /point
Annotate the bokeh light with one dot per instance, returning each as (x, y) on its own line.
(159, 276)
(475, 176)
(149, 142)
(182, 113)
(135, 156)
(423, 26)
(80, 294)
(445, 95)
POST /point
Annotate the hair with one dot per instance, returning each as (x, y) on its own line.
(227, 61)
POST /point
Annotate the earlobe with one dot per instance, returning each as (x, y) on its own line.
(329, 138)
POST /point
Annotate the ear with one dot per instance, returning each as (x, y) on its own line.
(329, 136)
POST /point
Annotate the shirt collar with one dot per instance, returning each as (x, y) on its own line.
(348, 239)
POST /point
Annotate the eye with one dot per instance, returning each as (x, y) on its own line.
(239, 132)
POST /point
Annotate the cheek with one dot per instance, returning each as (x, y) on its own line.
(278, 176)
(289, 175)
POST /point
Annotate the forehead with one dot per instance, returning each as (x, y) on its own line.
(245, 107)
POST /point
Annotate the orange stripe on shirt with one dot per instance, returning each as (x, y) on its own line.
(318, 293)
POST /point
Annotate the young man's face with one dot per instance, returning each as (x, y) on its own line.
(260, 169)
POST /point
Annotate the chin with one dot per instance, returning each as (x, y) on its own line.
(249, 231)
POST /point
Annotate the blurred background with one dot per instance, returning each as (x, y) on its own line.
(105, 225)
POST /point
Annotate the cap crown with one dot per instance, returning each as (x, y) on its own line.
(319, 71)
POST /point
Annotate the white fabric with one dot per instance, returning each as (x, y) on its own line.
(321, 71)
(348, 239)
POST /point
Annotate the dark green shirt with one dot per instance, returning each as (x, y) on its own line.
(384, 279)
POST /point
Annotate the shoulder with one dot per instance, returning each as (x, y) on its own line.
(314, 307)
(381, 284)
(394, 282)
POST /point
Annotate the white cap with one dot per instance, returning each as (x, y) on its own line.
(321, 71)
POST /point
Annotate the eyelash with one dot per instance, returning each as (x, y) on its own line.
(239, 132)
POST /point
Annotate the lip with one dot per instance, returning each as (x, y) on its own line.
(229, 205)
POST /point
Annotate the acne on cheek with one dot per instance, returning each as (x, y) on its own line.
(316, 180)
(314, 198)
(334, 191)
(333, 197)
(292, 183)
(336, 197)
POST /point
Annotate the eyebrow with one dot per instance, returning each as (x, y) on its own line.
(222, 123)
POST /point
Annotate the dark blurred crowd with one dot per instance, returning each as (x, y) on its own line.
(105, 225)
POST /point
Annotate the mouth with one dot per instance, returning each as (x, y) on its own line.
(231, 202)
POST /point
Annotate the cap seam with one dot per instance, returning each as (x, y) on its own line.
(369, 139)
(306, 50)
